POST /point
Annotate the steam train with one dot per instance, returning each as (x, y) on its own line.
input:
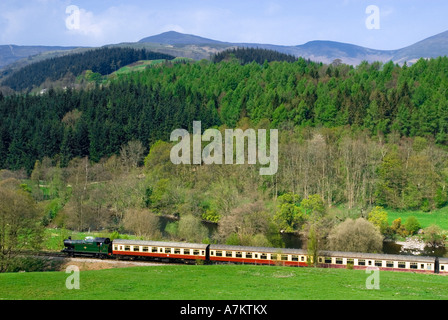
(215, 253)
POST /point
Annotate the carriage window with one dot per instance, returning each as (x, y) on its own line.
(339, 261)
(249, 255)
(389, 264)
(263, 256)
(167, 250)
(413, 265)
(361, 262)
(422, 266)
(161, 250)
(228, 253)
(154, 249)
(284, 257)
(177, 251)
(219, 253)
(378, 263)
(295, 258)
(273, 257)
(145, 249)
(442, 268)
(127, 248)
(327, 260)
(351, 261)
(196, 252)
(401, 264)
(239, 254)
(136, 248)
(320, 260)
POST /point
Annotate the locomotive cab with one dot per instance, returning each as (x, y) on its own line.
(95, 247)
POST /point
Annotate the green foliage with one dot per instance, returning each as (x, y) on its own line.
(313, 207)
(412, 225)
(380, 130)
(248, 55)
(433, 236)
(378, 216)
(289, 215)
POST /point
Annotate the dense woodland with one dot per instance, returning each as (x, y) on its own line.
(364, 137)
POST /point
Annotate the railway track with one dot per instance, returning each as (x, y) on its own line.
(111, 262)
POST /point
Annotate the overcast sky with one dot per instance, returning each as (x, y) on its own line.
(282, 22)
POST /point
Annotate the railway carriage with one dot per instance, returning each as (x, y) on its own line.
(160, 249)
(258, 255)
(420, 264)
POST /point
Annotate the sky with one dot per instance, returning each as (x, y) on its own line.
(393, 24)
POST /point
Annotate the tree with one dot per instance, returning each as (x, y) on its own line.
(20, 226)
(378, 216)
(143, 223)
(289, 215)
(356, 236)
(191, 229)
(392, 181)
(313, 207)
(313, 246)
(412, 225)
(433, 236)
(132, 154)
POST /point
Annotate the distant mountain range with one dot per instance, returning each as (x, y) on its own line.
(321, 51)
(12, 53)
(195, 47)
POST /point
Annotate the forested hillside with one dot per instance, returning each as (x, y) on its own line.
(365, 136)
(103, 61)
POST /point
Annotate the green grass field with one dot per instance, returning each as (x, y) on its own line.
(222, 282)
(438, 217)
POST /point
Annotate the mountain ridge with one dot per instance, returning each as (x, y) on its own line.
(197, 48)
(324, 51)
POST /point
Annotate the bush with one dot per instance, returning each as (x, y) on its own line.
(27, 264)
(412, 225)
(433, 236)
(398, 228)
(356, 236)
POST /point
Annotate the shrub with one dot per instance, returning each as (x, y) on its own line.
(356, 236)
(412, 225)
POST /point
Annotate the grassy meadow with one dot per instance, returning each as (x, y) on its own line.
(222, 282)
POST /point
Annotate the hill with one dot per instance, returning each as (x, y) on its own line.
(103, 61)
(319, 51)
(432, 47)
(176, 38)
(12, 53)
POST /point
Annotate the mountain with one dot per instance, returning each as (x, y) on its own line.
(176, 38)
(321, 51)
(12, 53)
(431, 47)
(195, 47)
